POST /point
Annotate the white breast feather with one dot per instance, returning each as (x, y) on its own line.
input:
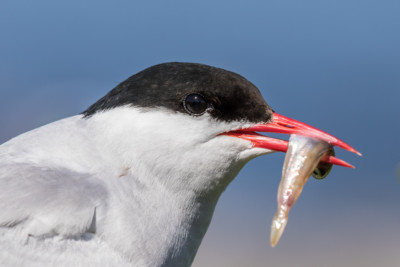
(126, 187)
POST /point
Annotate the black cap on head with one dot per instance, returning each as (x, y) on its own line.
(228, 95)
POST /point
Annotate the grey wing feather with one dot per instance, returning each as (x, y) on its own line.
(45, 202)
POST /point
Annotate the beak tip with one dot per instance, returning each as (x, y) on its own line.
(356, 152)
(347, 147)
(350, 149)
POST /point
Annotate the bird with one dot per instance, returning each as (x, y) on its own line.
(134, 179)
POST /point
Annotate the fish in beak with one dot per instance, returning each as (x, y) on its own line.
(307, 149)
(302, 157)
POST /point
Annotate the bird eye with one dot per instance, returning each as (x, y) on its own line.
(195, 104)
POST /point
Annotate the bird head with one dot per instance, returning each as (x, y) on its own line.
(192, 126)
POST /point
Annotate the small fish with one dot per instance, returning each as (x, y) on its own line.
(302, 159)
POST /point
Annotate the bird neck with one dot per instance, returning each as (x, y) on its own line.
(158, 226)
(165, 181)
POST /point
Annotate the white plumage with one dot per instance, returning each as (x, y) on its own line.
(125, 187)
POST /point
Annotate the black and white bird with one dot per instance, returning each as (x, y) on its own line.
(134, 179)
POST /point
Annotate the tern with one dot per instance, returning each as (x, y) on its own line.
(134, 179)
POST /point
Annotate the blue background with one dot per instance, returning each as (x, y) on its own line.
(332, 64)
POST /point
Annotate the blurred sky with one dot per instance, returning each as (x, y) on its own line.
(332, 64)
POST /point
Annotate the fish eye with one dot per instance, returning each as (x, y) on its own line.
(195, 104)
(323, 169)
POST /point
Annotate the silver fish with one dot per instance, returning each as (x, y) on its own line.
(302, 158)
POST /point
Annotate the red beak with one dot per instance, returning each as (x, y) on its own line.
(284, 125)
